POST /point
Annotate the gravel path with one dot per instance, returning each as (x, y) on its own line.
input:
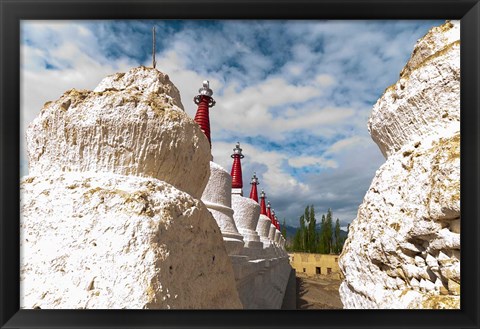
(319, 292)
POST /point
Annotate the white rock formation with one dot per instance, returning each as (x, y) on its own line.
(403, 249)
(110, 211)
(133, 124)
(246, 215)
(141, 78)
(99, 240)
(410, 110)
(218, 199)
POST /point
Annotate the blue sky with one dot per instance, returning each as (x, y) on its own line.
(297, 95)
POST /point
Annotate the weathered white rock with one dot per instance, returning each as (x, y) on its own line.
(425, 100)
(217, 197)
(408, 224)
(146, 80)
(132, 124)
(111, 216)
(453, 287)
(102, 240)
(396, 209)
(414, 283)
(432, 43)
(431, 262)
(246, 215)
(419, 261)
(427, 285)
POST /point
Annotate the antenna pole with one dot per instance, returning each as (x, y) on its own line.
(153, 49)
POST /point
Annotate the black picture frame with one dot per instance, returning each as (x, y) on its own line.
(13, 11)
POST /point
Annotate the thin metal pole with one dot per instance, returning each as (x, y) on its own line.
(153, 49)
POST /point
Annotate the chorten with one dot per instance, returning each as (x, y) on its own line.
(263, 208)
(278, 234)
(246, 216)
(263, 225)
(269, 212)
(236, 173)
(271, 234)
(217, 196)
(253, 191)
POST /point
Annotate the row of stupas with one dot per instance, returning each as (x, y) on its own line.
(247, 226)
(250, 229)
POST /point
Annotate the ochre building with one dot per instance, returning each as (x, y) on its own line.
(315, 264)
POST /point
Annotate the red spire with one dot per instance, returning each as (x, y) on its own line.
(273, 217)
(253, 191)
(236, 173)
(263, 208)
(204, 101)
(269, 213)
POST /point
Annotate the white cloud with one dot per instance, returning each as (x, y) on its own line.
(313, 82)
(349, 143)
(274, 178)
(325, 80)
(300, 162)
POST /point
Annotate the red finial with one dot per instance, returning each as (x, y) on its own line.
(236, 173)
(273, 217)
(204, 101)
(253, 191)
(269, 212)
(263, 208)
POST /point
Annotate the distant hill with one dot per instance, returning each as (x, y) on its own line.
(290, 231)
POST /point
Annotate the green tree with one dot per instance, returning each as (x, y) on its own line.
(321, 247)
(312, 230)
(328, 232)
(284, 229)
(338, 243)
(301, 232)
(308, 239)
(306, 231)
(297, 241)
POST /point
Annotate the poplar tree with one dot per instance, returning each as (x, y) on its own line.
(328, 232)
(302, 233)
(296, 246)
(312, 229)
(306, 231)
(284, 229)
(321, 241)
(338, 243)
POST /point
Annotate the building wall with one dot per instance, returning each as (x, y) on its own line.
(315, 264)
